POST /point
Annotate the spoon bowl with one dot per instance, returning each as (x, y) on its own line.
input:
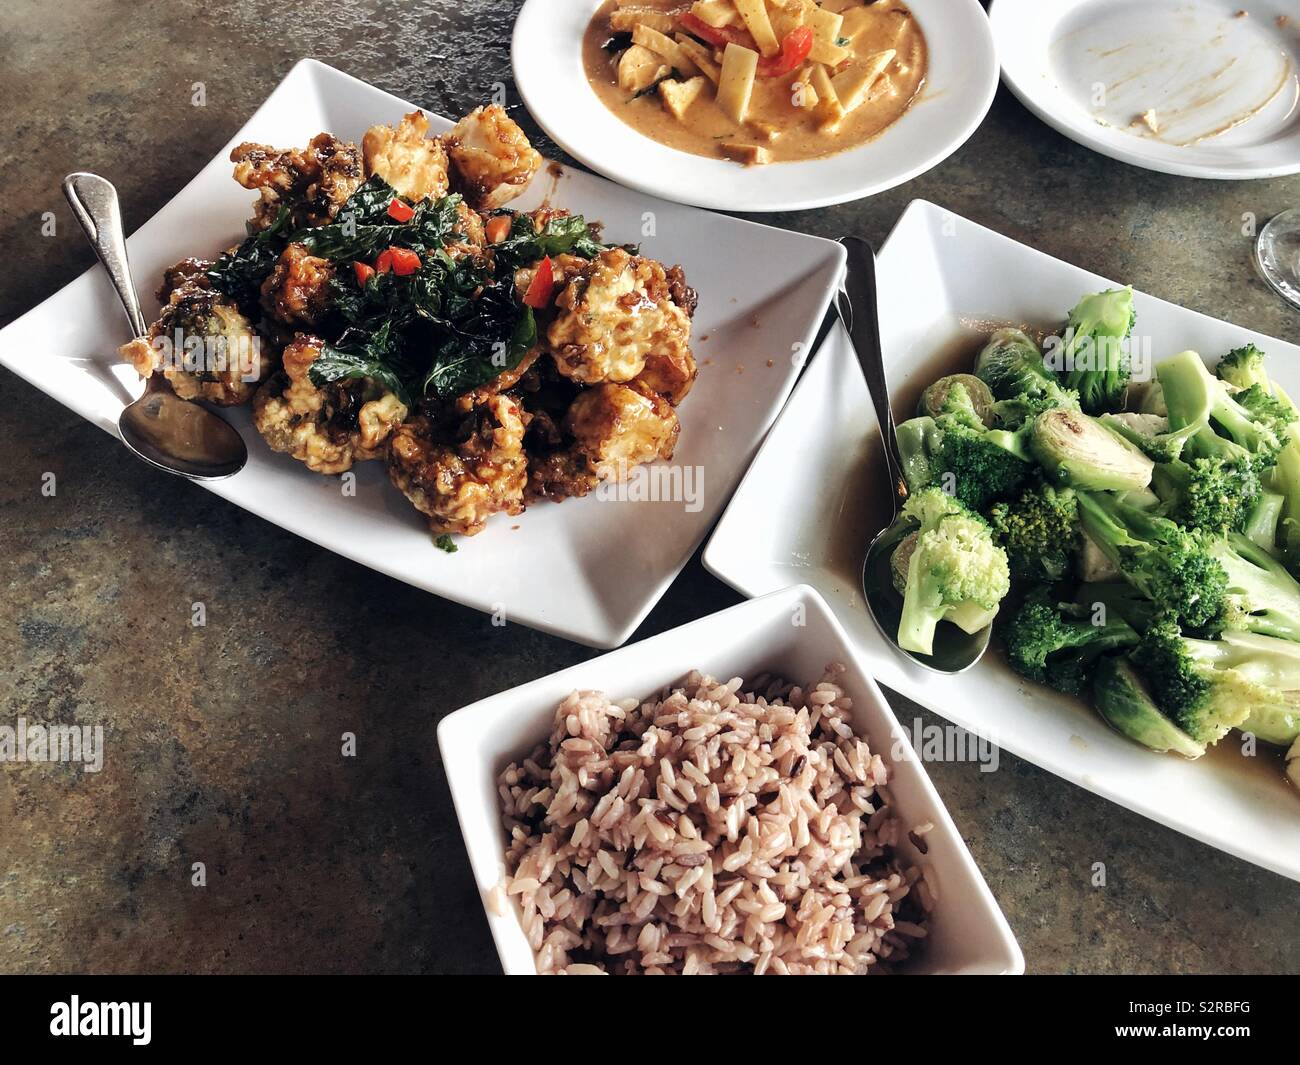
(954, 650)
(164, 430)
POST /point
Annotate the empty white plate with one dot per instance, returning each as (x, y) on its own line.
(589, 569)
(806, 511)
(1218, 79)
(968, 933)
(963, 77)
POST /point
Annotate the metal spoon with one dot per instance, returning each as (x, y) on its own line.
(159, 427)
(955, 651)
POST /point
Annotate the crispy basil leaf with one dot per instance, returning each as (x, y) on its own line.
(356, 355)
(428, 229)
(491, 337)
(523, 245)
(369, 204)
(239, 274)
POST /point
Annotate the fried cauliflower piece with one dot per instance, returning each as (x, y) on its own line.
(414, 163)
(313, 182)
(612, 315)
(458, 484)
(204, 347)
(612, 428)
(616, 427)
(296, 292)
(491, 158)
(327, 427)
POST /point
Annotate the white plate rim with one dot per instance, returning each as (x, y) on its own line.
(1084, 134)
(978, 47)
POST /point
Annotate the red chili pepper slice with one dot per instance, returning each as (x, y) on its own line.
(498, 228)
(405, 262)
(718, 36)
(542, 286)
(399, 211)
(794, 50)
(364, 273)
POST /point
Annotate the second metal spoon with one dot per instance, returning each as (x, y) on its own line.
(955, 651)
(166, 431)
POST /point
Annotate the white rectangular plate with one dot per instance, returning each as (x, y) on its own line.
(589, 569)
(968, 933)
(808, 507)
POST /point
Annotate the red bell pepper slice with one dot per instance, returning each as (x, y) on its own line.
(384, 263)
(405, 262)
(794, 50)
(542, 286)
(364, 273)
(399, 211)
(498, 228)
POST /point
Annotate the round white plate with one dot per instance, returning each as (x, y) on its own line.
(547, 57)
(1225, 89)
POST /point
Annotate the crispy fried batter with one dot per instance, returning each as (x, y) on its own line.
(491, 157)
(327, 427)
(459, 484)
(611, 428)
(617, 427)
(204, 346)
(612, 315)
(313, 182)
(407, 158)
(296, 292)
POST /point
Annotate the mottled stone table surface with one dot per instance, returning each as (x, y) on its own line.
(224, 741)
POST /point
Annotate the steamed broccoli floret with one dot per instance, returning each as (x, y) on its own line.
(1151, 433)
(1264, 521)
(1210, 686)
(1243, 367)
(958, 453)
(956, 572)
(1101, 599)
(1014, 413)
(1095, 362)
(1262, 596)
(1058, 645)
(1214, 495)
(1194, 397)
(1165, 562)
(1039, 531)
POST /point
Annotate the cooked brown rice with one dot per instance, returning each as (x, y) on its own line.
(709, 831)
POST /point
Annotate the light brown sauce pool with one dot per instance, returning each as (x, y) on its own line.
(887, 25)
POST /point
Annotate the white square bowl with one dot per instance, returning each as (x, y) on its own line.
(811, 503)
(590, 569)
(968, 933)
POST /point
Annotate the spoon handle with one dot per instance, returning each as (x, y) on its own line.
(94, 202)
(859, 311)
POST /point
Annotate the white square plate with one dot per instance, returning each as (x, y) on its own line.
(968, 933)
(804, 514)
(589, 569)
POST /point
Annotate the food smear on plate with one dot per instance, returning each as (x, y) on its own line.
(1183, 75)
(756, 81)
(718, 827)
(387, 305)
(1135, 540)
